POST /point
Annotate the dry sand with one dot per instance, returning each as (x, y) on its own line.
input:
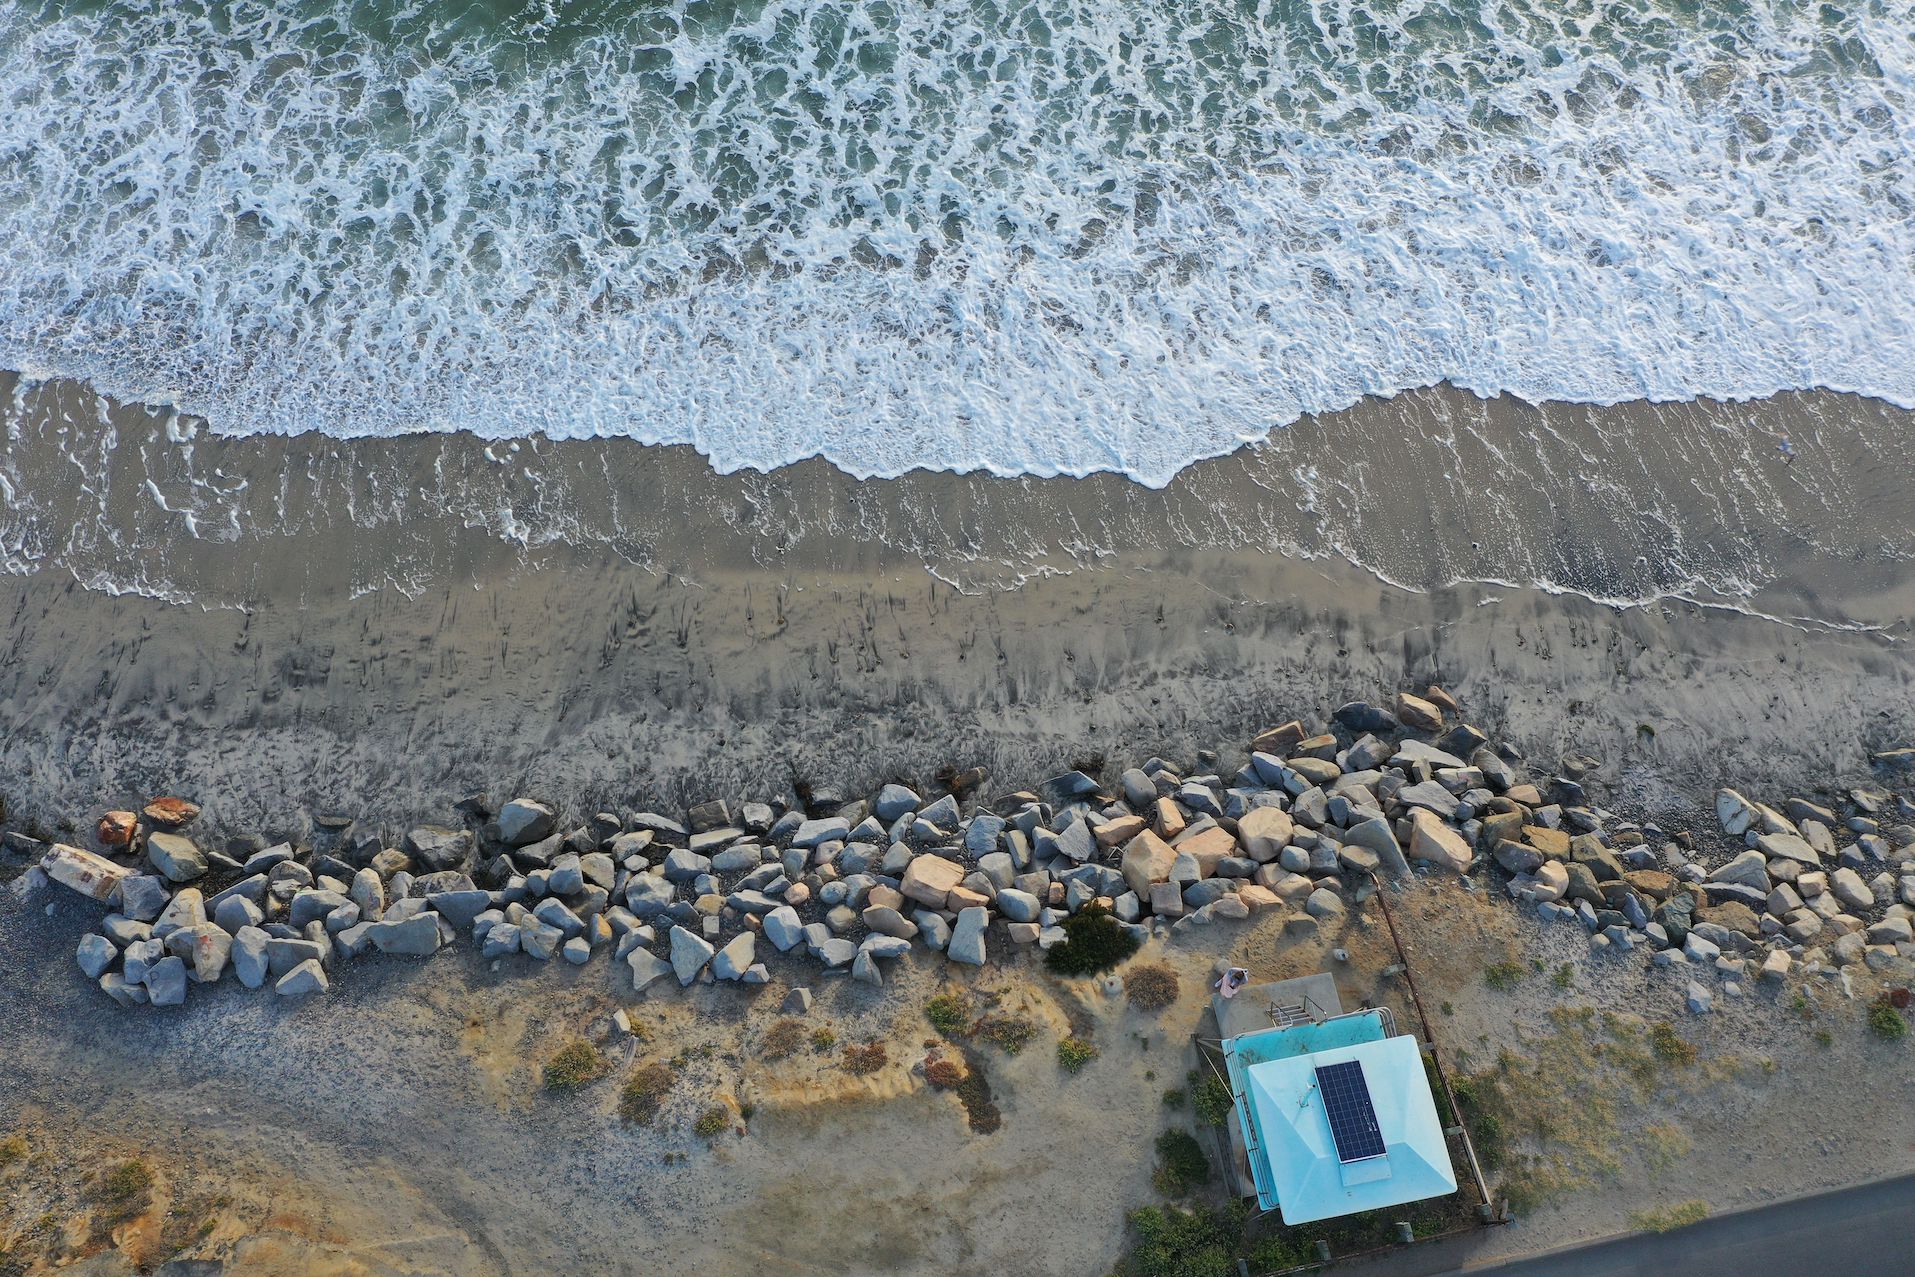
(402, 1114)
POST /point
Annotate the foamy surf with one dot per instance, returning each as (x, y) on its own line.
(1031, 239)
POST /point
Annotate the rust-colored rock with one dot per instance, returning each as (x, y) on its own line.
(170, 813)
(116, 828)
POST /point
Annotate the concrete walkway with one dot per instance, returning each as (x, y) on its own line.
(1865, 1231)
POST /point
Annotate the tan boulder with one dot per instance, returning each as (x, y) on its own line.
(1280, 740)
(170, 813)
(929, 879)
(1265, 831)
(1553, 843)
(1117, 832)
(1208, 846)
(1169, 819)
(1147, 860)
(1417, 713)
(1433, 841)
(1258, 898)
(1552, 880)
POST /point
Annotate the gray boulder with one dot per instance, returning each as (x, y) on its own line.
(539, 939)
(523, 821)
(690, 953)
(143, 896)
(437, 850)
(96, 955)
(127, 995)
(1376, 835)
(647, 969)
(236, 912)
(784, 928)
(175, 856)
(501, 938)
(306, 978)
(894, 801)
(249, 956)
(166, 982)
(414, 937)
(648, 895)
(865, 970)
(187, 909)
(967, 937)
(736, 957)
(204, 949)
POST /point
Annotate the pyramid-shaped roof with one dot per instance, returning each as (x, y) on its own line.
(1292, 1133)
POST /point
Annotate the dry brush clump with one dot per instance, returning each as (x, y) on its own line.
(865, 1059)
(1150, 986)
(782, 1040)
(644, 1093)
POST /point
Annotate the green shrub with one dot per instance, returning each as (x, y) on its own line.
(1667, 1218)
(124, 1192)
(714, 1121)
(577, 1064)
(1667, 1045)
(949, 1014)
(1093, 941)
(822, 1039)
(1182, 1164)
(1212, 1100)
(1503, 976)
(1886, 1022)
(1074, 1053)
(1174, 1097)
(1184, 1243)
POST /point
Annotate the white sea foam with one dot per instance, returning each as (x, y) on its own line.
(1032, 238)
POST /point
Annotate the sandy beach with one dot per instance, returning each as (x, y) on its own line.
(708, 659)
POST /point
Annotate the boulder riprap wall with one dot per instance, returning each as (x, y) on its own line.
(1309, 823)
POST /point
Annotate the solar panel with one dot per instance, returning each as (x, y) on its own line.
(1346, 1099)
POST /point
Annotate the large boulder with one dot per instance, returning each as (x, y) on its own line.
(204, 949)
(1436, 843)
(1376, 835)
(144, 896)
(175, 856)
(1750, 869)
(967, 937)
(1263, 831)
(1147, 860)
(690, 953)
(647, 969)
(523, 821)
(784, 928)
(414, 937)
(249, 957)
(929, 879)
(166, 982)
(736, 957)
(306, 978)
(436, 850)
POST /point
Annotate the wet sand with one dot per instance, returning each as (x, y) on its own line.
(381, 625)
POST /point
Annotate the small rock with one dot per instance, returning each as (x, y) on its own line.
(166, 982)
(176, 857)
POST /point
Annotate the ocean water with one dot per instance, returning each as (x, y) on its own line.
(1026, 238)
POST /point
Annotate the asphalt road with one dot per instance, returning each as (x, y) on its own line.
(1867, 1231)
